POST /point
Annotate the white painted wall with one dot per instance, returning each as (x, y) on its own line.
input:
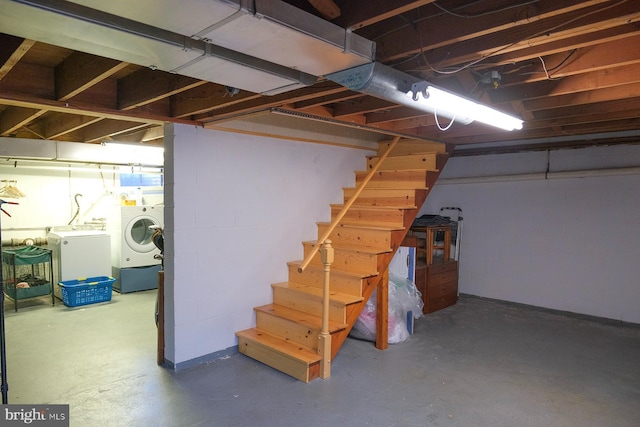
(569, 244)
(51, 173)
(50, 194)
(237, 209)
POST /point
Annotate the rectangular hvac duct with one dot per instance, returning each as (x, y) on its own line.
(263, 46)
(278, 32)
(57, 23)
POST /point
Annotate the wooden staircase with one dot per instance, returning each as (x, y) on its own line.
(287, 331)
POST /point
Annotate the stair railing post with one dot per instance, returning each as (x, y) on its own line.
(324, 346)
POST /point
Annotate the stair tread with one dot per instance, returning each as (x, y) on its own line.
(352, 274)
(396, 170)
(315, 292)
(353, 248)
(306, 319)
(337, 270)
(415, 187)
(375, 207)
(365, 226)
(373, 156)
(282, 345)
(389, 189)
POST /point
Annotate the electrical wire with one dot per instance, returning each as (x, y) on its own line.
(563, 61)
(485, 56)
(544, 67)
(411, 23)
(435, 115)
(478, 15)
(547, 71)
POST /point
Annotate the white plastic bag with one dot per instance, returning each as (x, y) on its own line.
(405, 303)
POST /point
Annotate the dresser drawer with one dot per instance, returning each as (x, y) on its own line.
(441, 287)
(437, 280)
(435, 304)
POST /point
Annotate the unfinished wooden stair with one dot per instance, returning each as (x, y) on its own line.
(286, 335)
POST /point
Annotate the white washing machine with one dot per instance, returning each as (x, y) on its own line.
(132, 247)
(131, 236)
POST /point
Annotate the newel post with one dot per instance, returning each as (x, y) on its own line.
(324, 345)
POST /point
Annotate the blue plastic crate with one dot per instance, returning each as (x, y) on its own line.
(86, 290)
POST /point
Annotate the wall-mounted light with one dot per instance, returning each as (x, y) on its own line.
(460, 109)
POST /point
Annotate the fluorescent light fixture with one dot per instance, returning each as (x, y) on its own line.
(384, 82)
(460, 109)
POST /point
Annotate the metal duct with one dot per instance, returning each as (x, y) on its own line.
(263, 46)
(381, 81)
(377, 80)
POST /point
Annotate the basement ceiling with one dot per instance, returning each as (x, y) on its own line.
(569, 68)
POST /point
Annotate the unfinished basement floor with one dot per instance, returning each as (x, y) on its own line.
(478, 363)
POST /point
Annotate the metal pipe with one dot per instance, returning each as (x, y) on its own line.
(586, 173)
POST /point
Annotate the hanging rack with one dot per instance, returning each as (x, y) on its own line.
(10, 190)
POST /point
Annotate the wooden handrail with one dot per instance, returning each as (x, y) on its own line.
(347, 206)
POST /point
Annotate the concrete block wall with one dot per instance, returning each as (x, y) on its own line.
(569, 242)
(237, 209)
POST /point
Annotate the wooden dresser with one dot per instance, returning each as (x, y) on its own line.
(436, 273)
(438, 284)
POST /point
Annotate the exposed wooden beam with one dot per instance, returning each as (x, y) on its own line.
(362, 105)
(146, 86)
(397, 114)
(615, 76)
(563, 46)
(108, 130)
(80, 71)
(206, 98)
(327, 8)
(542, 31)
(32, 80)
(359, 14)
(55, 125)
(601, 57)
(152, 134)
(593, 59)
(598, 111)
(264, 102)
(13, 118)
(19, 100)
(579, 125)
(573, 99)
(442, 30)
(342, 95)
(12, 49)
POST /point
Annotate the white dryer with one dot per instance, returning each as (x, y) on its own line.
(131, 244)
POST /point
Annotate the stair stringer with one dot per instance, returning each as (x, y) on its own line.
(371, 283)
(385, 259)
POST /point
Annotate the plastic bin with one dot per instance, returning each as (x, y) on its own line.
(86, 290)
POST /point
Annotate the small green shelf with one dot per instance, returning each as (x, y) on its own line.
(32, 265)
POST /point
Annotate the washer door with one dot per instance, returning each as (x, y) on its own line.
(138, 235)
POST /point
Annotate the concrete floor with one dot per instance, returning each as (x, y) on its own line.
(479, 363)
